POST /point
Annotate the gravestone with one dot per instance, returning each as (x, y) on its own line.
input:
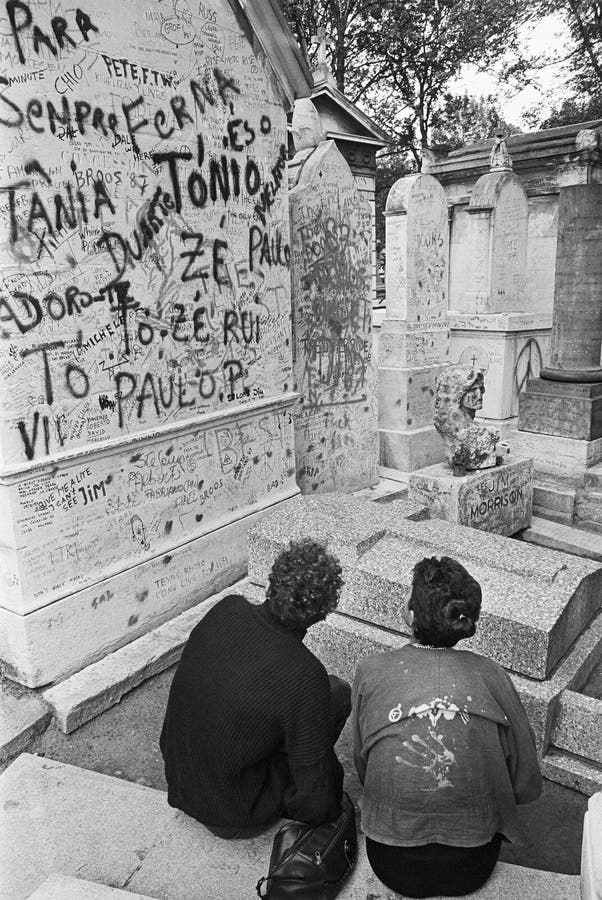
(335, 421)
(414, 338)
(560, 413)
(493, 324)
(145, 362)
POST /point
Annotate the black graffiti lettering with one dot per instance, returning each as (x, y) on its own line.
(271, 250)
(219, 177)
(193, 255)
(79, 387)
(178, 106)
(252, 177)
(121, 394)
(31, 309)
(8, 122)
(121, 301)
(219, 260)
(197, 322)
(171, 159)
(243, 326)
(225, 88)
(132, 129)
(30, 443)
(201, 94)
(43, 349)
(178, 322)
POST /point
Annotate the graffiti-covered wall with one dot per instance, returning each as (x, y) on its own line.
(145, 367)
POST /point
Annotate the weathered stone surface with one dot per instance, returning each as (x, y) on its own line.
(51, 643)
(121, 834)
(499, 499)
(63, 887)
(410, 450)
(557, 455)
(535, 602)
(507, 348)
(22, 716)
(577, 315)
(458, 396)
(567, 409)
(101, 685)
(414, 336)
(336, 437)
(591, 858)
(146, 379)
(578, 725)
(496, 245)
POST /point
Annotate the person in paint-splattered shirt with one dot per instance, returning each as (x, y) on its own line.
(442, 746)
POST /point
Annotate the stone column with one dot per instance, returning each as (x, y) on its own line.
(560, 413)
(577, 318)
(492, 325)
(414, 339)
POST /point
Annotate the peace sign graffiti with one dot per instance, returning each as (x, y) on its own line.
(528, 363)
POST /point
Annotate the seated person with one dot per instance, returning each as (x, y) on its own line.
(252, 716)
(442, 746)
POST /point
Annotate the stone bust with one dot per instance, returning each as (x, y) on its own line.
(458, 396)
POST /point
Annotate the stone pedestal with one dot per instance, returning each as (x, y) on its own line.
(508, 348)
(414, 337)
(569, 410)
(499, 499)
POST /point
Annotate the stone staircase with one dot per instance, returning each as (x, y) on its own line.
(572, 499)
(70, 834)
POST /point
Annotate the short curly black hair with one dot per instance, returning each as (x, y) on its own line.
(304, 584)
(446, 601)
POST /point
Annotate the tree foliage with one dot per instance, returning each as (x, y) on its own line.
(397, 57)
(464, 119)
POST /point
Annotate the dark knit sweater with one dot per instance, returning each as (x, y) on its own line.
(247, 731)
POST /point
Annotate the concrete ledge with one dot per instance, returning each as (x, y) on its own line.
(572, 772)
(23, 715)
(101, 685)
(578, 726)
(62, 887)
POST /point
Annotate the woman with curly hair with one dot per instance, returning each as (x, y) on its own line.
(442, 746)
(252, 716)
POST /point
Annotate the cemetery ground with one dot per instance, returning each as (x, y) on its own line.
(124, 742)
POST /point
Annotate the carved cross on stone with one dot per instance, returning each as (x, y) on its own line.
(323, 42)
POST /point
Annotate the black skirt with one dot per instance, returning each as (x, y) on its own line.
(433, 870)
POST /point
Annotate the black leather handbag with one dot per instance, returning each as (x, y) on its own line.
(311, 862)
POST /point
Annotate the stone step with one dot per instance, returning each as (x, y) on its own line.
(549, 495)
(62, 887)
(566, 538)
(578, 726)
(572, 771)
(588, 507)
(592, 477)
(553, 515)
(60, 818)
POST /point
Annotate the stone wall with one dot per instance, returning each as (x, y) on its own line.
(145, 361)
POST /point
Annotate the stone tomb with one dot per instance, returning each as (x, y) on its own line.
(414, 337)
(497, 499)
(536, 602)
(336, 438)
(146, 383)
